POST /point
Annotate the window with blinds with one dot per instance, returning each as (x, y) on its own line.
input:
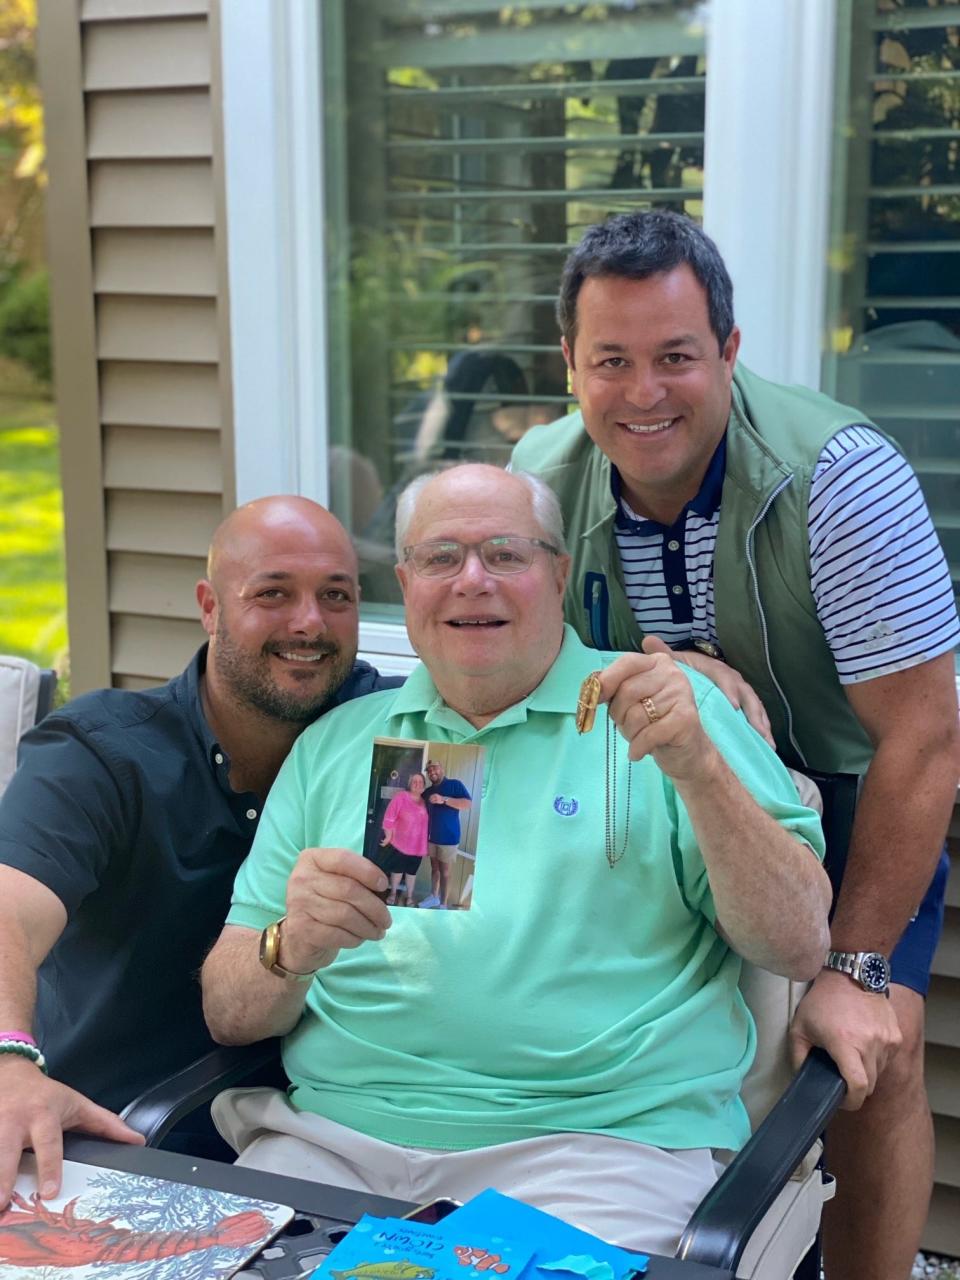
(894, 292)
(469, 143)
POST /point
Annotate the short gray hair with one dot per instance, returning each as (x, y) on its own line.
(543, 501)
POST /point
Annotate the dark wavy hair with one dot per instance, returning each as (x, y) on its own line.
(638, 245)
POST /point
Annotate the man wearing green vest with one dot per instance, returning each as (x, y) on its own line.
(712, 510)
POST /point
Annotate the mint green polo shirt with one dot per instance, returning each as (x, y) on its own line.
(572, 995)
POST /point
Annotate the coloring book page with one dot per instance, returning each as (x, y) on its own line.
(123, 1226)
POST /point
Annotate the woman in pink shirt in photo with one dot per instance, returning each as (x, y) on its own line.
(405, 830)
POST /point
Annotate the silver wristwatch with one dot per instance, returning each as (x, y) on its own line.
(869, 969)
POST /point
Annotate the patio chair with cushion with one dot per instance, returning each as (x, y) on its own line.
(26, 695)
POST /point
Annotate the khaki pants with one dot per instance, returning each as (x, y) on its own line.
(633, 1195)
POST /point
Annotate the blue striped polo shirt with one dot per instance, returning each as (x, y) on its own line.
(878, 573)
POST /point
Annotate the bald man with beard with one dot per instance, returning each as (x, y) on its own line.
(129, 814)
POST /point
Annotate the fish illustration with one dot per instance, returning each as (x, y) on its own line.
(385, 1271)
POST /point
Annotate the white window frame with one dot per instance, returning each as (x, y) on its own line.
(767, 168)
(769, 123)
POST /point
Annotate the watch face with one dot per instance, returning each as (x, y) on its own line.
(874, 972)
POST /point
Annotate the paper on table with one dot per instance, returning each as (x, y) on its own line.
(123, 1226)
(556, 1245)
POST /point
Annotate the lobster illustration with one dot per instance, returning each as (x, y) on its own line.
(32, 1235)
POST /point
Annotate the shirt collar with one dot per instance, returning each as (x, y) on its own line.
(705, 503)
(187, 693)
(556, 692)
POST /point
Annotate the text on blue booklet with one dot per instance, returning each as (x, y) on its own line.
(493, 1237)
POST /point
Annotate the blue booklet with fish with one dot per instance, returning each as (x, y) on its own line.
(493, 1236)
(396, 1249)
(559, 1250)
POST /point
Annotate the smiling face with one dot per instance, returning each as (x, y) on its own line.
(487, 639)
(435, 774)
(654, 389)
(417, 784)
(280, 608)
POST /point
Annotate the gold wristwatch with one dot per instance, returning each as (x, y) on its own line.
(270, 951)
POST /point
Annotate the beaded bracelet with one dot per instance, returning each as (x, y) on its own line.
(23, 1050)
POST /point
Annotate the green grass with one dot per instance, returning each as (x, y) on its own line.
(33, 618)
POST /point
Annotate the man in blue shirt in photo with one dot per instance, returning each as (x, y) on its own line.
(446, 798)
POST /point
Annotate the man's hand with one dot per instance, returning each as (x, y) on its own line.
(730, 683)
(34, 1112)
(858, 1029)
(435, 799)
(652, 703)
(331, 903)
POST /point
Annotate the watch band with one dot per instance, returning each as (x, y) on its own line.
(842, 961)
(870, 970)
(706, 647)
(270, 951)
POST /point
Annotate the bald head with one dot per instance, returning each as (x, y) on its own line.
(275, 526)
(473, 479)
(280, 604)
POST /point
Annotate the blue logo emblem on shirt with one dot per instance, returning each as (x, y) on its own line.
(567, 807)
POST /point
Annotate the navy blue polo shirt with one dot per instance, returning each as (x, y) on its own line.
(444, 821)
(122, 806)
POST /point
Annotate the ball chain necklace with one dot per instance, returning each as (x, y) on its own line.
(587, 704)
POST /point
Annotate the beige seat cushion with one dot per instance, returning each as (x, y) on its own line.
(790, 1225)
(19, 687)
(773, 1001)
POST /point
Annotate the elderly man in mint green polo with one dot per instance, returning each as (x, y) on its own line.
(577, 1038)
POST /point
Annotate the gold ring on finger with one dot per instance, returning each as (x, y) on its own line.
(650, 708)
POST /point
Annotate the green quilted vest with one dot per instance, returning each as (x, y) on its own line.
(766, 617)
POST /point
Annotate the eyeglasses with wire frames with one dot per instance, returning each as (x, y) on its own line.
(444, 558)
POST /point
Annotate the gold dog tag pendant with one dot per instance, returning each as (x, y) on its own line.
(588, 702)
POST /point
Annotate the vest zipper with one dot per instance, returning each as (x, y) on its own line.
(597, 603)
(763, 621)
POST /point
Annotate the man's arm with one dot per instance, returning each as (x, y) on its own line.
(331, 903)
(901, 820)
(770, 892)
(35, 1110)
(453, 802)
(905, 805)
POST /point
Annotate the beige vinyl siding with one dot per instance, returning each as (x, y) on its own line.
(173, 193)
(147, 646)
(163, 126)
(161, 459)
(152, 233)
(943, 1065)
(139, 53)
(160, 395)
(93, 9)
(154, 586)
(139, 260)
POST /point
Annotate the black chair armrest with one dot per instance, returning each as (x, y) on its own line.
(46, 692)
(159, 1108)
(725, 1219)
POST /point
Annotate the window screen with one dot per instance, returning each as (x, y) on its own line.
(468, 145)
(894, 312)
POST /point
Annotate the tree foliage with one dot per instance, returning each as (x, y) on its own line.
(22, 171)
